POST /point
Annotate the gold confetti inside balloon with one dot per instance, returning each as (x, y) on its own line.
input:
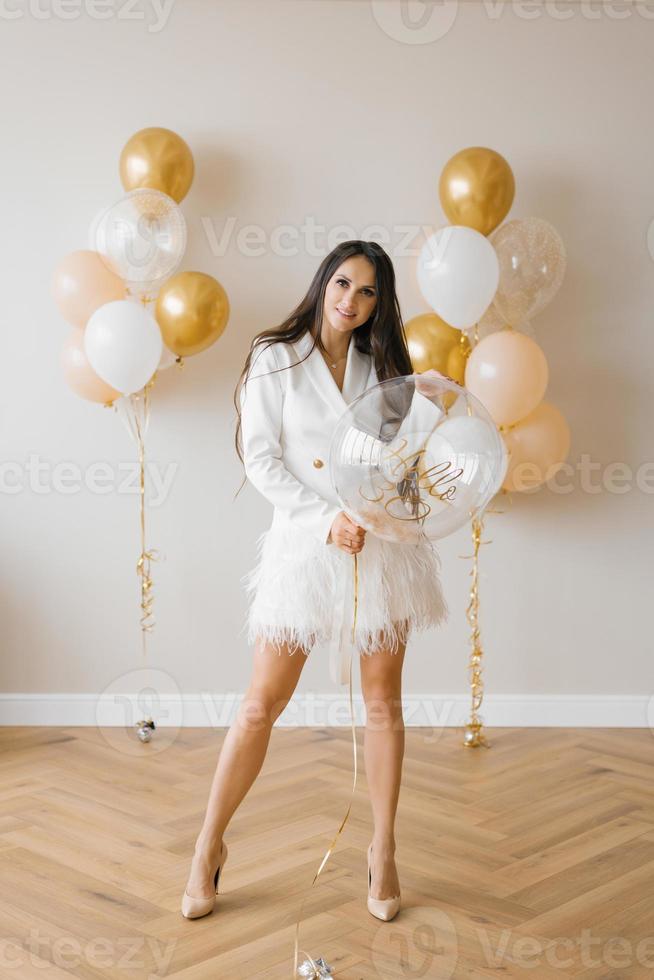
(532, 266)
(144, 236)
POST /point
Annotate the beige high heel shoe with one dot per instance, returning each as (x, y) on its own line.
(194, 908)
(382, 908)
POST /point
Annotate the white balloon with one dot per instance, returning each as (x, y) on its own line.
(476, 449)
(458, 274)
(122, 342)
(470, 434)
(167, 359)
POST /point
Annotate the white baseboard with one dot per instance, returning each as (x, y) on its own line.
(434, 711)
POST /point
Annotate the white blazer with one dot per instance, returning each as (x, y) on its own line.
(287, 421)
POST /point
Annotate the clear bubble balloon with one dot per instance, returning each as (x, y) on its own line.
(144, 237)
(415, 456)
(532, 263)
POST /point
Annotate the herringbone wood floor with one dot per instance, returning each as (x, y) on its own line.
(534, 858)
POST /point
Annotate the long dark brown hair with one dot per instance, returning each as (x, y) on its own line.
(382, 335)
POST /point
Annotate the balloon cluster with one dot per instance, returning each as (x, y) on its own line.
(484, 282)
(118, 344)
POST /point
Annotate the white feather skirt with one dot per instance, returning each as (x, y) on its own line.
(293, 590)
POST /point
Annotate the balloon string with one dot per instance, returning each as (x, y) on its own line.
(146, 556)
(314, 965)
(136, 418)
(474, 735)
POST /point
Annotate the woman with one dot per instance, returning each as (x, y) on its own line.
(345, 336)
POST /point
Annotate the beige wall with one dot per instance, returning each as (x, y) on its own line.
(325, 113)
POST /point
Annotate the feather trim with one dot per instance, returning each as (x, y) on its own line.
(293, 585)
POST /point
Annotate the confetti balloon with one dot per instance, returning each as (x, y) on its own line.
(532, 263)
(144, 237)
(415, 456)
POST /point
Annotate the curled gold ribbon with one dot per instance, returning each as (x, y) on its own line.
(143, 563)
(136, 419)
(143, 571)
(317, 966)
(474, 735)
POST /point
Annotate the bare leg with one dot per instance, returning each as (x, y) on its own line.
(274, 678)
(383, 746)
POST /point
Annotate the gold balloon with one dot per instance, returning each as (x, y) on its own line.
(430, 341)
(192, 310)
(476, 189)
(456, 361)
(159, 159)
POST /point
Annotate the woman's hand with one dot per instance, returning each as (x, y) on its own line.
(425, 388)
(347, 535)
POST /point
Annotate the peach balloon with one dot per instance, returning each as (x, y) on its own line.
(507, 371)
(84, 281)
(538, 446)
(78, 373)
